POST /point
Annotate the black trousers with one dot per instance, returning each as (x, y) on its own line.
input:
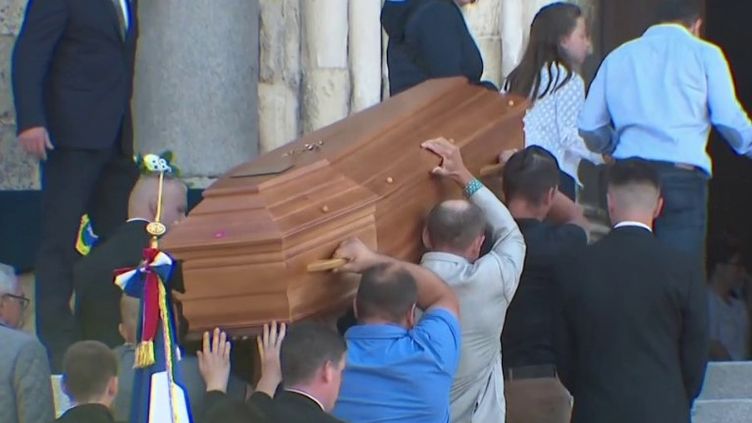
(74, 182)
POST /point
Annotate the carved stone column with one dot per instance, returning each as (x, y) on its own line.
(196, 83)
(326, 73)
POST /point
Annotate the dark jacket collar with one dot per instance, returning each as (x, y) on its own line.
(300, 399)
(632, 231)
(88, 413)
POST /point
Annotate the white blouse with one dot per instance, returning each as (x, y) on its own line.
(552, 121)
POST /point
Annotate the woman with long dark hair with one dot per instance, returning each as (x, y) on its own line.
(548, 75)
(429, 39)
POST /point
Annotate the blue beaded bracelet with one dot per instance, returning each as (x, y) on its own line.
(472, 187)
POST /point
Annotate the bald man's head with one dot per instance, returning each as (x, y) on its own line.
(634, 191)
(456, 226)
(143, 200)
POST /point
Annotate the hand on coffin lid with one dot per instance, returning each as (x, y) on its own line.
(451, 166)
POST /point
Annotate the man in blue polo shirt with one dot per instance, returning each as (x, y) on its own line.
(398, 369)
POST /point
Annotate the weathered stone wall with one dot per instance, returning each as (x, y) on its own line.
(17, 170)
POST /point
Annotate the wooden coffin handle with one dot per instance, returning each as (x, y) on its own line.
(491, 169)
(324, 265)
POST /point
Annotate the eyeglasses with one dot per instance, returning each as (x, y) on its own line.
(23, 301)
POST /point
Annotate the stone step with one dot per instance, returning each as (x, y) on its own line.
(722, 411)
(728, 381)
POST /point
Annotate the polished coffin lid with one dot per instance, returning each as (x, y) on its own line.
(246, 245)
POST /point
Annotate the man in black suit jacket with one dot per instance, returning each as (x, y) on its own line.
(309, 360)
(72, 82)
(633, 341)
(97, 297)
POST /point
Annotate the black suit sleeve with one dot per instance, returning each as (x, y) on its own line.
(43, 26)
(695, 341)
(220, 408)
(564, 342)
(438, 40)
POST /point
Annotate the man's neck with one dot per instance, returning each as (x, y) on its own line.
(105, 403)
(644, 219)
(521, 209)
(380, 321)
(139, 217)
(462, 254)
(307, 391)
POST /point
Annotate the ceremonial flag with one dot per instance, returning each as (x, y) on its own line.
(158, 394)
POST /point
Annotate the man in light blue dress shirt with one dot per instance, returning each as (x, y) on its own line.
(656, 98)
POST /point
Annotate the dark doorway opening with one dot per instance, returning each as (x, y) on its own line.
(730, 206)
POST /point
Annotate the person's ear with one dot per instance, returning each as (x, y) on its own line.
(426, 239)
(112, 387)
(478, 245)
(550, 196)
(696, 28)
(122, 331)
(411, 317)
(328, 372)
(658, 208)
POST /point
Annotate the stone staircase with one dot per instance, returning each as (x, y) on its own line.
(726, 395)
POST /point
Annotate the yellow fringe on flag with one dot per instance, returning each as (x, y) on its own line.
(144, 355)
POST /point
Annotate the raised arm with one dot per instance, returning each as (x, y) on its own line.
(432, 291)
(726, 114)
(508, 249)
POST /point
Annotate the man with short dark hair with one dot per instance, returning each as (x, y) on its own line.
(312, 360)
(484, 284)
(554, 228)
(633, 338)
(25, 390)
(398, 368)
(656, 98)
(90, 381)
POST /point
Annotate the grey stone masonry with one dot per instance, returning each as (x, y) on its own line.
(726, 395)
(731, 380)
(722, 411)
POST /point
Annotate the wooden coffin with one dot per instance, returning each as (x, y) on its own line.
(245, 247)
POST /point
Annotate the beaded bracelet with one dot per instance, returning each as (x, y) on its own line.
(472, 187)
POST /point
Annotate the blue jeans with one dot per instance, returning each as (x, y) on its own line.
(683, 223)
